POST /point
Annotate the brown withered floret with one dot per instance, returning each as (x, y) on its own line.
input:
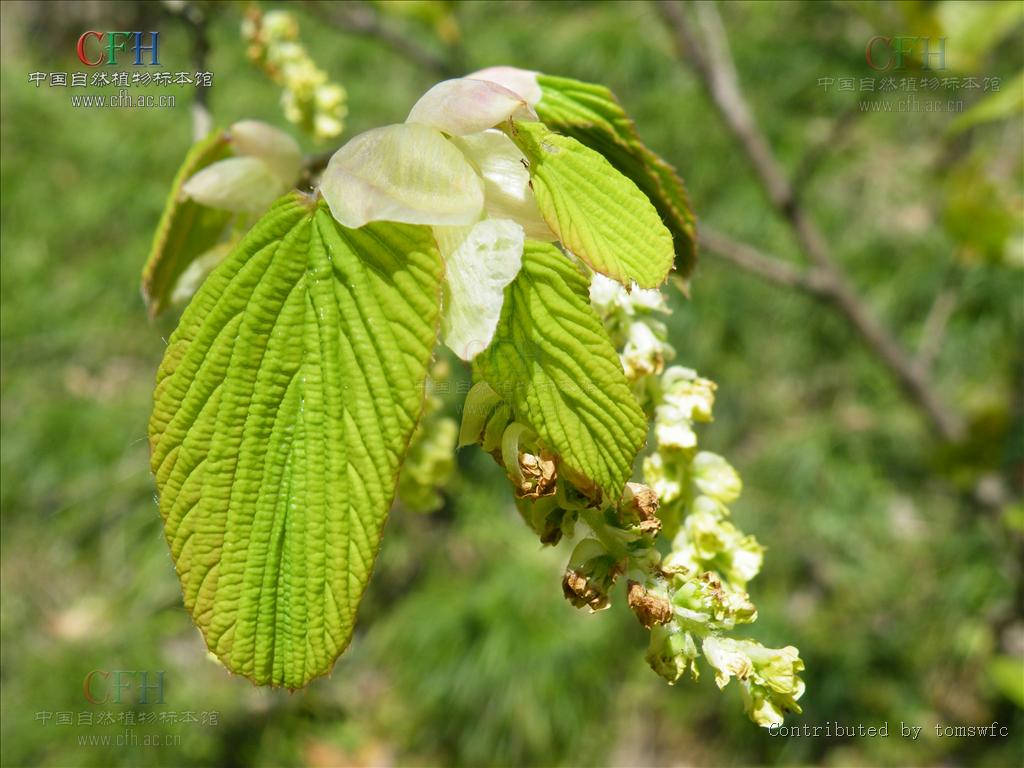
(539, 476)
(642, 505)
(649, 609)
(581, 593)
(588, 586)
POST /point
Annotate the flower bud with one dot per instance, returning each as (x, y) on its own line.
(664, 473)
(307, 98)
(280, 25)
(429, 462)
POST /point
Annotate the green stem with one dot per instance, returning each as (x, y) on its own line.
(613, 544)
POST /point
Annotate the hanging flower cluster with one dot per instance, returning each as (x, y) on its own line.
(308, 99)
(689, 597)
(697, 590)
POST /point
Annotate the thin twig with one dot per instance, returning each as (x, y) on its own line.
(359, 19)
(714, 65)
(770, 268)
(718, 75)
(837, 134)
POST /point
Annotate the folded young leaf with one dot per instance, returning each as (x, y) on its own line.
(552, 360)
(591, 114)
(186, 230)
(597, 213)
(283, 407)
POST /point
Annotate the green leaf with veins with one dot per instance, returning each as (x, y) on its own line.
(597, 213)
(592, 115)
(283, 408)
(187, 230)
(551, 359)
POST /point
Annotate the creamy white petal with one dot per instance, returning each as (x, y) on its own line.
(520, 81)
(462, 106)
(480, 261)
(240, 184)
(251, 138)
(409, 173)
(507, 191)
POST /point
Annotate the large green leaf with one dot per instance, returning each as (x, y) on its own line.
(591, 114)
(283, 407)
(597, 213)
(187, 229)
(552, 360)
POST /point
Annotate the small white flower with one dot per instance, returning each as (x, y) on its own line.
(644, 353)
(664, 479)
(673, 429)
(715, 477)
(609, 296)
(684, 389)
(768, 676)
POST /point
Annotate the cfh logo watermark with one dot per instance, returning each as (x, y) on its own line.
(92, 46)
(124, 686)
(885, 54)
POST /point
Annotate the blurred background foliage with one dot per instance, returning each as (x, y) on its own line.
(894, 559)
